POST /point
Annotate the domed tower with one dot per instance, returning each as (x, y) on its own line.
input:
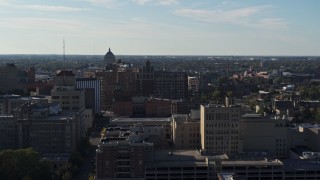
(109, 58)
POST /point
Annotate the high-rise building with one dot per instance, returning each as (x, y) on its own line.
(145, 80)
(108, 79)
(12, 78)
(171, 85)
(91, 85)
(219, 128)
(118, 81)
(69, 97)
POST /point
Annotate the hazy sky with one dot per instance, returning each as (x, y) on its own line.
(161, 27)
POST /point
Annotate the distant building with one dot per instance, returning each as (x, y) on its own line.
(146, 80)
(282, 107)
(183, 107)
(92, 88)
(118, 81)
(12, 79)
(88, 118)
(171, 85)
(31, 74)
(193, 84)
(109, 58)
(156, 107)
(123, 108)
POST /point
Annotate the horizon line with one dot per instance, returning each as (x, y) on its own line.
(167, 55)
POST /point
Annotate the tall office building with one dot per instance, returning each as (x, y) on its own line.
(171, 85)
(219, 128)
(12, 78)
(118, 81)
(69, 97)
(92, 87)
(145, 80)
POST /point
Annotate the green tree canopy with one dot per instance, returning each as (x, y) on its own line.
(24, 164)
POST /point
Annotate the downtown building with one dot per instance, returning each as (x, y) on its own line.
(171, 85)
(220, 129)
(70, 99)
(122, 155)
(92, 87)
(46, 129)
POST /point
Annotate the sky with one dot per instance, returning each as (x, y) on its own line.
(161, 27)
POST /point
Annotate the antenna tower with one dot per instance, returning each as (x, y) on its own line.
(64, 54)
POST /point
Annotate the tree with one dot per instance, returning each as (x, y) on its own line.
(216, 95)
(67, 176)
(76, 159)
(24, 164)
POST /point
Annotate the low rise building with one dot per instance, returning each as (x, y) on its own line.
(122, 156)
(263, 133)
(185, 132)
(8, 132)
(46, 129)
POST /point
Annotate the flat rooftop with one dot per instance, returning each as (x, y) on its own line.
(248, 115)
(63, 116)
(176, 158)
(301, 164)
(140, 120)
(273, 162)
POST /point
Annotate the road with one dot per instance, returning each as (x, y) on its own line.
(88, 166)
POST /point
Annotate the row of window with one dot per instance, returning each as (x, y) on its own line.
(222, 125)
(65, 97)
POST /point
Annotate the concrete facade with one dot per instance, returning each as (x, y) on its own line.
(220, 129)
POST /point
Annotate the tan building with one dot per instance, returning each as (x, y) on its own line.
(185, 132)
(306, 135)
(68, 97)
(259, 133)
(219, 128)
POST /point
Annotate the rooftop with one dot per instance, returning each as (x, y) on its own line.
(273, 162)
(301, 164)
(176, 158)
(137, 120)
(252, 115)
(65, 73)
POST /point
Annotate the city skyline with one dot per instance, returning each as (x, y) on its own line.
(160, 27)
